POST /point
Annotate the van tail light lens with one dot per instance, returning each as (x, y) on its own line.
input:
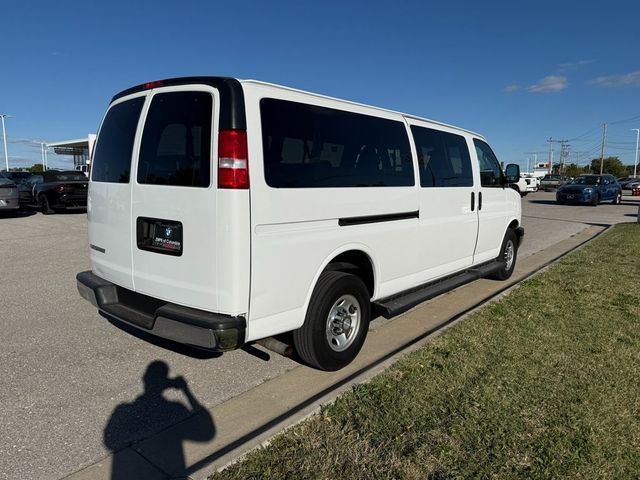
(60, 189)
(233, 165)
(155, 84)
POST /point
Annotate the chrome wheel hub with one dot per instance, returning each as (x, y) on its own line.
(343, 323)
(509, 254)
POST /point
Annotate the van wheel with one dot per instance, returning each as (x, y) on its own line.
(508, 254)
(336, 323)
(43, 202)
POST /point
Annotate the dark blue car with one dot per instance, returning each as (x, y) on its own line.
(591, 189)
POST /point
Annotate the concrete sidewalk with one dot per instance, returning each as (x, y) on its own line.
(253, 417)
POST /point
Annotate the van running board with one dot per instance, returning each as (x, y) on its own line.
(397, 304)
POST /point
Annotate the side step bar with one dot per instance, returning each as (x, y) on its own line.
(400, 303)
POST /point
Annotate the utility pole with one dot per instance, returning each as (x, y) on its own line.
(635, 162)
(4, 139)
(42, 152)
(46, 159)
(604, 141)
(564, 154)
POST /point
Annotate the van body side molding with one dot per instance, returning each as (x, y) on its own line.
(390, 217)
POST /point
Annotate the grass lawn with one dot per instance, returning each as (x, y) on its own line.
(544, 383)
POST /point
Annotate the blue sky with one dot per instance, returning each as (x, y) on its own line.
(517, 73)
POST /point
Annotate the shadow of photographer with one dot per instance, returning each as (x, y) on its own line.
(152, 411)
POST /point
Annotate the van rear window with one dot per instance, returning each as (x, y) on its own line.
(112, 156)
(307, 146)
(176, 143)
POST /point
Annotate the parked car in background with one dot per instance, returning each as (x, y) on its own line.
(17, 177)
(627, 182)
(53, 190)
(84, 169)
(591, 189)
(8, 195)
(525, 185)
(552, 182)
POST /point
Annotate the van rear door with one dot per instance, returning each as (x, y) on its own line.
(173, 198)
(109, 198)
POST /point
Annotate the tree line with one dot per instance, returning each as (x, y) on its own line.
(610, 165)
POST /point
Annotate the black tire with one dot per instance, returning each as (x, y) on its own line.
(509, 243)
(43, 202)
(523, 194)
(560, 202)
(595, 200)
(311, 340)
(618, 199)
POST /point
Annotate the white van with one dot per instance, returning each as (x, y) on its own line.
(224, 211)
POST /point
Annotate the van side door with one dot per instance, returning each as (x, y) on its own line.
(494, 205)
(448, 212)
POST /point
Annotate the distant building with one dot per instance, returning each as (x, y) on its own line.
(80, 149)
(541, 169)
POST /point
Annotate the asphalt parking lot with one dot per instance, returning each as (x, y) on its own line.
(65, 369)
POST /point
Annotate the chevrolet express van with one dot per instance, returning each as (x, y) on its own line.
(224, 211)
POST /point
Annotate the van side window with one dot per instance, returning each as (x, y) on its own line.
(306, 146)
(490, 171)
(112, 156)
(176, 142)
(443, 158)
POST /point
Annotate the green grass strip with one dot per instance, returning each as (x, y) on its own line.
(544, 383)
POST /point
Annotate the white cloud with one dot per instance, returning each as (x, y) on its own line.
(563, 67)
(511, 89)
(30, 142)
(627, 80)
(549, 84)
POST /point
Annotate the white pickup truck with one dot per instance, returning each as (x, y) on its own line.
(525, 185)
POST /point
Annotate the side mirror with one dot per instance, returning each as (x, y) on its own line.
(512, 173)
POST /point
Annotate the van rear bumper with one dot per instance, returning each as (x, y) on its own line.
(189, 326)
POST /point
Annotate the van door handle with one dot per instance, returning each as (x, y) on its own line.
(479, 201)
(473, 201)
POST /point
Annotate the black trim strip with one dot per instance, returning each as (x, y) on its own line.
(96, 248)
(390, 217)
(232, 113)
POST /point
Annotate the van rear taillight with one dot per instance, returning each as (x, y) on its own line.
(233, 167)
(155, 84)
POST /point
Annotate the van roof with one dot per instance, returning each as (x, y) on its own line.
(234, 116)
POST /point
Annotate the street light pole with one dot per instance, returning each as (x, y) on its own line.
(635, 163)
(4, 138)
